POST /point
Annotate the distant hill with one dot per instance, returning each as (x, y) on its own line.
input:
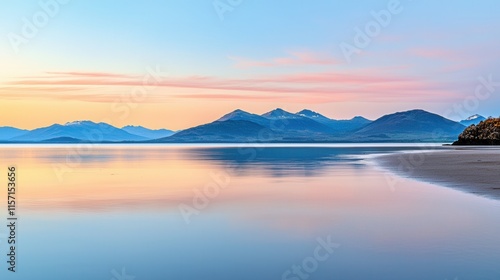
(86, 131)
(7, 132)
(219, 131)
(410, 125)
(486, 132)
(147, 133)
(474, 119)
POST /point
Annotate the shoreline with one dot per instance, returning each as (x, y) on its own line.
(474, 170)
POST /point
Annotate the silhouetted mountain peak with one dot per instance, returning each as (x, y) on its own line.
(238, 113)
(85, 122)
(411, 114)
(132, 126)
(360, 118)
(310, 114)
(279, 113)
(414, 114)
(474, 119)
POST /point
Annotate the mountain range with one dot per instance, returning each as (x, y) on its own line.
(243, 127)
(81, 130)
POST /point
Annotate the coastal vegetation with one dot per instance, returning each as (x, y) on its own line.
(486, 132)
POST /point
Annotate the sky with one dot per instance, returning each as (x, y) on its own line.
(177, 63)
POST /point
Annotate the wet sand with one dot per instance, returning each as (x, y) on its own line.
(472, 169)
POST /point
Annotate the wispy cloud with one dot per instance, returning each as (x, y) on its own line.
(91, 74)
(445, 54)
(292, 59)
(301, 87)
(234, 96)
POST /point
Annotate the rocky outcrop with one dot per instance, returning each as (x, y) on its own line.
(486, 132)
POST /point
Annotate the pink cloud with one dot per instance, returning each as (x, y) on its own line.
(91, 74)
(304, 88)
(231, 96)
(293, 59)
(334, 77)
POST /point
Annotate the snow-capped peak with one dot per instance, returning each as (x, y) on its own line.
(279, 114)
(309, 114)
(73, 123)
(133, 126)
(76, 123)
(473, 117)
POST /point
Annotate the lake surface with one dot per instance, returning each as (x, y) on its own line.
(230, 212)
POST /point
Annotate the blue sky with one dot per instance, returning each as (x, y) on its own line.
(259, 56)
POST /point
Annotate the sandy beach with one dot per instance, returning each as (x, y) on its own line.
(472, 169)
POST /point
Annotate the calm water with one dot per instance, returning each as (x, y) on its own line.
(214, 212)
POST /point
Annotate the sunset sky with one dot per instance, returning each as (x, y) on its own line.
(176, 63)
